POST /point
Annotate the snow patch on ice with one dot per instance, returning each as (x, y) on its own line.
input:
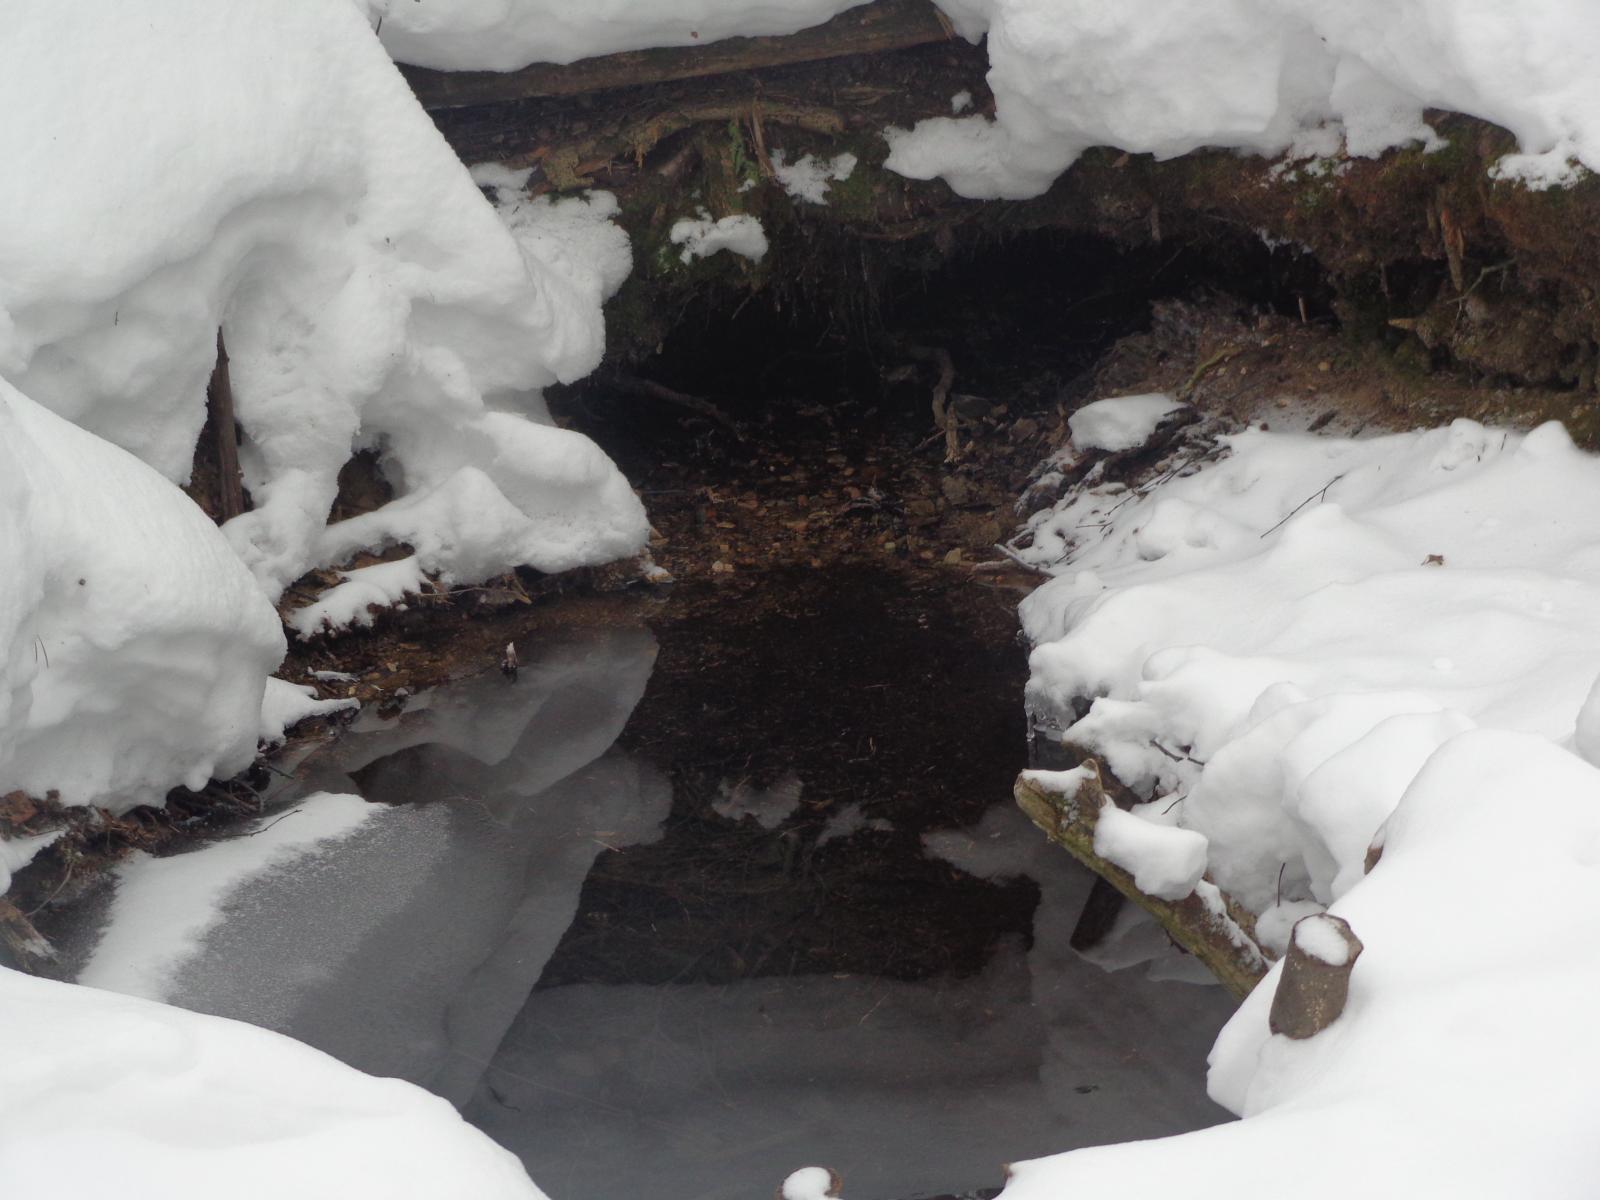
(165, 906)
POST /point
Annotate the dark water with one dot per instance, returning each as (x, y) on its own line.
(712, 893)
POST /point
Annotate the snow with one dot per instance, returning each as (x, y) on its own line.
(807, 178)
(165, 906)
(284, 185)
(701, 237)
(417, 934)
(133, 644)
(502, 35)
(107, 1095)
(768, 807)
(1307, 646)
(1119, 422)
(1164, 861)
(1451, 1070)
(286, 704)
(1165, 77)
(1321, 938)
(809, 1183)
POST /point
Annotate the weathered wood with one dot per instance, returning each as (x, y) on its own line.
(1316, 976)
(871, 29)
(219, 404)
(30, 951)
(1204, 922)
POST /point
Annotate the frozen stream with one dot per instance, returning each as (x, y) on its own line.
(652, 966)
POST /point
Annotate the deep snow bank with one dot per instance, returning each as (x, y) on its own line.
(1455, 1069)
(1265, 76)
(103, 1094)
(502, 35)
(267, 170)
(134, 646)
(1294, 651)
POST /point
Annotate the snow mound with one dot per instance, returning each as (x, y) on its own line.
(1266, 76)
(1310, 648)
(1472, 999)
(133, 644)
(1119, 422)
(138, 1100)
(502, 35)
(1285, 636)
(285, 186)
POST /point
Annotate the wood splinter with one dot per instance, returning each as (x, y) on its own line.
(1316, 976)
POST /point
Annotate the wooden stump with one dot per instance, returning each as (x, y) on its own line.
(1316, 976)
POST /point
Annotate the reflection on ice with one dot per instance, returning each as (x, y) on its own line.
(707, 1091)
(409, 950)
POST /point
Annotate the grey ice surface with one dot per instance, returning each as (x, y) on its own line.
(714, 1093)
(409, 950)
(412, 948)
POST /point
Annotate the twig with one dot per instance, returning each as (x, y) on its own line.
(1306, 501)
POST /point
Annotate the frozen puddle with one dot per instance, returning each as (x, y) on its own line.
(523, 926)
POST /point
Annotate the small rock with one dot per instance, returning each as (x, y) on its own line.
(955, 489)
(953, 558)
(1324, 365)
(1024, 428)
(721, 568)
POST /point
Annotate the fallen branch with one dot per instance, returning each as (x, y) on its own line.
(1205, 922)
(652, 390)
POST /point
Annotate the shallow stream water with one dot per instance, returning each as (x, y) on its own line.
(723, 885)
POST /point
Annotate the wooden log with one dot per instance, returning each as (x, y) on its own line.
(870, 29)
(219, 404)
(1205, 922)
(1316, 976)
(30, 950)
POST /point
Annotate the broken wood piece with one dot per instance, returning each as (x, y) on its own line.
(30, 950)
(219, 406)
(870, 29)
(944, 413)
(1067, 804)
(1316, 976)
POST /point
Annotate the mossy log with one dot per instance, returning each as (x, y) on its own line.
(1205, 923)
